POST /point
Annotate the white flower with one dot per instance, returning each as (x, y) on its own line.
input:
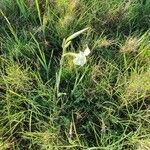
(80, 58)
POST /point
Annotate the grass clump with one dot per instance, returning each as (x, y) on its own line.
(74, 75)
(138, 86)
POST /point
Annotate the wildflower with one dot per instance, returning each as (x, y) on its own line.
(80, 58)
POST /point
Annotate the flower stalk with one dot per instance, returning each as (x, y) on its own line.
(80, 58)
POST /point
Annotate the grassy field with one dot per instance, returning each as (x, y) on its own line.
(74, 75)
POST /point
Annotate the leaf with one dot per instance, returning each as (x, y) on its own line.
(75, 35)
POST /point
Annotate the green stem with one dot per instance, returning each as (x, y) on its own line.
(58, 77)
(71, 54)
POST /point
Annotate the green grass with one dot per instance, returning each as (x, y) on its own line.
(49, 103)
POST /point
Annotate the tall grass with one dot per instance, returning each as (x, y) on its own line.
(49, 103)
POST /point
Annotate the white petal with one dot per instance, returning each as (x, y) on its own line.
(87, 51)
(80, 60)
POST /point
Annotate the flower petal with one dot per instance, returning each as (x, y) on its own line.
(87, 51)
(80, 60)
